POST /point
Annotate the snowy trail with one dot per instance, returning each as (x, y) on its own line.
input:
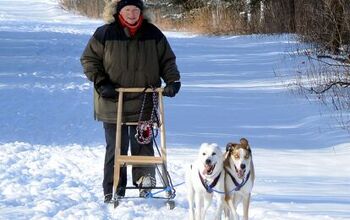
(51, 150)
(63, 182)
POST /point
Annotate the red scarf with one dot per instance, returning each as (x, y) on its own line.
(131, 27)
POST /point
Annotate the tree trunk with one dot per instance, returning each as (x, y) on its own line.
(292, 16)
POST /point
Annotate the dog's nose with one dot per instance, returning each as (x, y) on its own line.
(242, 166)
(207, 161)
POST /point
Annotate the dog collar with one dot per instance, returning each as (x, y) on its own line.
(238, 185)
(210, 187)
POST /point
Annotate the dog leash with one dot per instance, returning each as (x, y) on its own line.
(209, 189)
(237, 187)
(167, 189)
(145, 129)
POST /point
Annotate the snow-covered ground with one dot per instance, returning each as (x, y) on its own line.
(51, 150)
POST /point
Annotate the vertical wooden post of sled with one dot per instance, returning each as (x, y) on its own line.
(162, 137)
(118, 142)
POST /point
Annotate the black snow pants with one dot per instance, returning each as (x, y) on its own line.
(127, 138)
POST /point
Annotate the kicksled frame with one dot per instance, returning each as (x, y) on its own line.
(125, 160)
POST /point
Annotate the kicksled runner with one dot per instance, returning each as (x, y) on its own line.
(147, 131)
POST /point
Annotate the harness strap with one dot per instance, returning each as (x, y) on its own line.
(238, 185)
(210, 187)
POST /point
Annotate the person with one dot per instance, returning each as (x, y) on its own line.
(128, 51)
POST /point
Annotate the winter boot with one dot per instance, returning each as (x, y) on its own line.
(108, 198)
(147, 182)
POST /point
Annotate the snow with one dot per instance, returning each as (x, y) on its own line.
(52, 152)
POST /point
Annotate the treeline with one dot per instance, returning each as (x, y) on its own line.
(91, 8)
(323, 22)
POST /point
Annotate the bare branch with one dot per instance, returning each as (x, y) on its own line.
(329, 86)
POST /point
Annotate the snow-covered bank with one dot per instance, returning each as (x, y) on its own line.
(64, 182)
(51, 150)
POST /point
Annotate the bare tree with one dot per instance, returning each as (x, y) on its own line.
(326, 29)
(327, 81)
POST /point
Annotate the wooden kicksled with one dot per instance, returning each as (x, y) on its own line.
(157, 161)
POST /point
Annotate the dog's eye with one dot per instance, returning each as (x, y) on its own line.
(203, 154)
(246, 157)
(213, 154)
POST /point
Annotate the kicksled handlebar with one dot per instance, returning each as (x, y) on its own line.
(159, 90)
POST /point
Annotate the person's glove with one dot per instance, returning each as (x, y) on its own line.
(107, 90)
(172, 89)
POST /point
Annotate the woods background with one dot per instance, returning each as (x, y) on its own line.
(323, 24)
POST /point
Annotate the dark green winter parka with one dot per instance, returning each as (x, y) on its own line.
(141, 61)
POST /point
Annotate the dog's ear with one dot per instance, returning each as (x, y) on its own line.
(229, 147)
(244, 143)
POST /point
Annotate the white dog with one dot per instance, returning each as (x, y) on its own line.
(204, 179)
(240, 177)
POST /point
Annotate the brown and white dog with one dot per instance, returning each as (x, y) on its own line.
(205, 181)
(239, 179)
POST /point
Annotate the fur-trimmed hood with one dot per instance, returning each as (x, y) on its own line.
(110, 10)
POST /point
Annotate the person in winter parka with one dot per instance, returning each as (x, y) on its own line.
(128, 51)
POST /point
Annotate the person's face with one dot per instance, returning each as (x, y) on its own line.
(130, 13)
